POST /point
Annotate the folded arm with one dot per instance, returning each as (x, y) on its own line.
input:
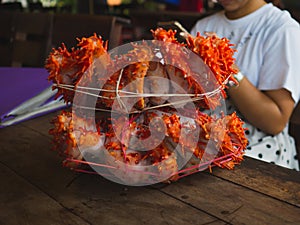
(269, 111)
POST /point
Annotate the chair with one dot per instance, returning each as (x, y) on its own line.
(144, 21)
(35, 7)
(32, 38)
(293, 7)
(11, 6)
(68, 27)
(294, 127)
(6, 34)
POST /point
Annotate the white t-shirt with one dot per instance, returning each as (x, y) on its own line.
(268, 54)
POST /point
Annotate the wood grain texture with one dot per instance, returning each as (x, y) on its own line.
(37, 189)
(232, 202)
(92, 198)
(23, 203)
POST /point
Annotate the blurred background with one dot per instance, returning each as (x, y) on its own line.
(123, 7)
(31, 28)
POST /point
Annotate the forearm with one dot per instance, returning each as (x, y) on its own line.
(261, 109)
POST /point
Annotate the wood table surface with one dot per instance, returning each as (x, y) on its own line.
(36, 190)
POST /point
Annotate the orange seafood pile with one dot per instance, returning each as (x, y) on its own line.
(153, 103)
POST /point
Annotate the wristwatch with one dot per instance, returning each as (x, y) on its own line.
(238, 76)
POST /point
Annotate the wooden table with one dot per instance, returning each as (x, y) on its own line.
(36, 190)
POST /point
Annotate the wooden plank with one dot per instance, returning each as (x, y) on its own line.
(234, 203)
(6, 36)
(100, 200)
(22, 203)
(250, 174)
(281, 183)
(92, 197)
(41, 124)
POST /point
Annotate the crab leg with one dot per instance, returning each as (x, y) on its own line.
(158, 82)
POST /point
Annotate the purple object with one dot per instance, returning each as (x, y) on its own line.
(25, 85)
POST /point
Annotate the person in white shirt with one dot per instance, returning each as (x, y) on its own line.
(267, 40)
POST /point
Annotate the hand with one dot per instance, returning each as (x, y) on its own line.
(210, 34)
